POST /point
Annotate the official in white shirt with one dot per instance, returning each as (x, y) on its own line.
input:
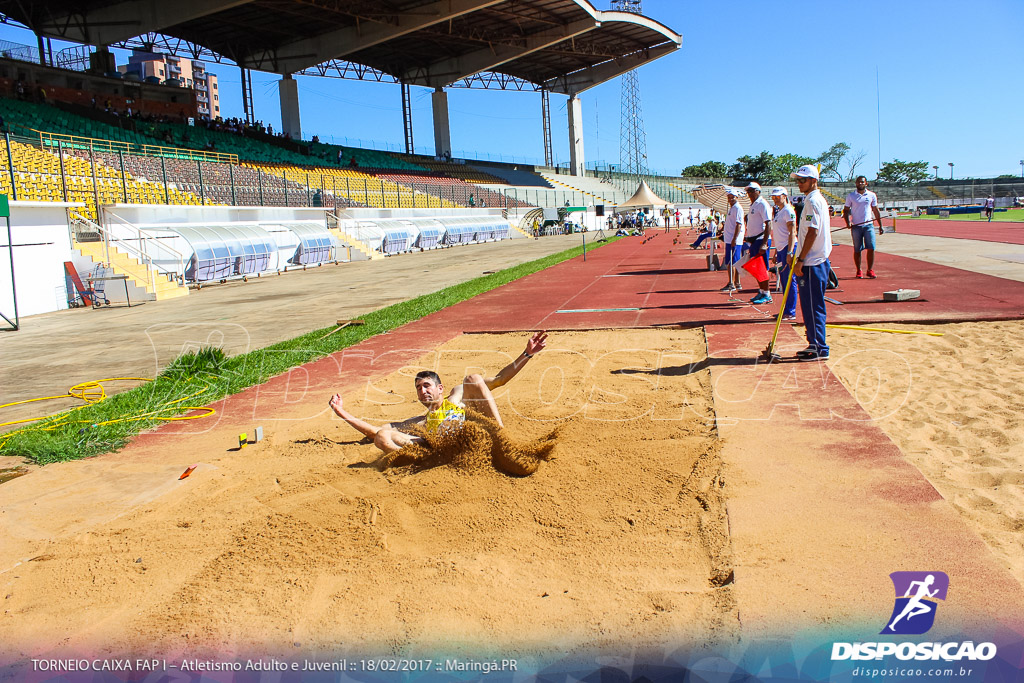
(811, 266)
(858, 216)
(733, 235)
(759, 237)
(784, 235)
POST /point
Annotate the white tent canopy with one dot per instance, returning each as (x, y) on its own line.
(644, 197)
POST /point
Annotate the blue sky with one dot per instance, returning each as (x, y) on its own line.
(779, 75)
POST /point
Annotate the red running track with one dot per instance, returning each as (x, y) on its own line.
(1005, 232)
(668, 284)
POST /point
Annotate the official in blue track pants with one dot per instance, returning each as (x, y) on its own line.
(811, 264)
(812, 303)
(786, 273)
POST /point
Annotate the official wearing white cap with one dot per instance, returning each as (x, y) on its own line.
(759, 235)
(733, 235)
(784, 234)
(811, 266)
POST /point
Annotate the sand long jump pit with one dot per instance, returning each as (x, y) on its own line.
(301, 546)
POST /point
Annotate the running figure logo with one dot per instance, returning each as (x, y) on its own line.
(916, 601)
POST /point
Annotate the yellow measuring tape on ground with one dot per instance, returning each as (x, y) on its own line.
(92, 392)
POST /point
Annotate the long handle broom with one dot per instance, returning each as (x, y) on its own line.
(769, 353)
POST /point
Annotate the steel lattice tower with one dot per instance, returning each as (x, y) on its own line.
(632, 136)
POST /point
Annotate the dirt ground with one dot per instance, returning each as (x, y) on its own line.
(953, 406)
(301, 544)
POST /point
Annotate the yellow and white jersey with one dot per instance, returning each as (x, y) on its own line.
(448, 413)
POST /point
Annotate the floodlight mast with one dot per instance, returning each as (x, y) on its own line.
(632, 135)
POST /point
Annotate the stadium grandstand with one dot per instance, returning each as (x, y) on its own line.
(112, 152)
(153, 193)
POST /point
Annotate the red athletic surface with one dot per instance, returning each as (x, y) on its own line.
(669, 285)
(1008, 233)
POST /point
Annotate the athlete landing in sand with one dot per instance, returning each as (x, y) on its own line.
(474, 390)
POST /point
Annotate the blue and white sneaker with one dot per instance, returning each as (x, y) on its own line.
(762, 299)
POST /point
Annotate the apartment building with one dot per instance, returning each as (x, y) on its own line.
(187, 73)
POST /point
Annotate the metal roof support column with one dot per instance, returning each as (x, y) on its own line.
(407, 118)
(575, 109)
(288, 91)
(248, 105)
(442, 131)
(545, 112)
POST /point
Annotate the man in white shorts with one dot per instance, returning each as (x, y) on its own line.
(857, 213)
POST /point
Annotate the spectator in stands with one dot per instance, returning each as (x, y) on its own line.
(19, 89)
(857, 213)
(316, 140)
(472, 200)
(352, 162)
(811, 267)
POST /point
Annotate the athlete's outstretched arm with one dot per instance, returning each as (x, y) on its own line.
(534, 346)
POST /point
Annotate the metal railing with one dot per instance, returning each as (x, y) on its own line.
(155, 251)
(131, 240)
(55, 140)
(355, 234)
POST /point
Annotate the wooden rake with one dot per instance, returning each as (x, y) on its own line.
(342, 324)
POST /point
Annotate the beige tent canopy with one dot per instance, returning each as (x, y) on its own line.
(713, 196)
(644, 197)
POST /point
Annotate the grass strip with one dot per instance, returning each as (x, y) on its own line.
(200, 378)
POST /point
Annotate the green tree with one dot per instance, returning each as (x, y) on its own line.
(709, 169)
(897, 171)
(830, 160)
(753, 168)
(784, 164)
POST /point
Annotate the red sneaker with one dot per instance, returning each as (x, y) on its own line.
(860, 275)
(871, 274)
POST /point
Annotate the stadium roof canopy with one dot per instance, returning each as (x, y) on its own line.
(564, 46)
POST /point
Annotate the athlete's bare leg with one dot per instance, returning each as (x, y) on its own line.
(478, 396)
(391, 440)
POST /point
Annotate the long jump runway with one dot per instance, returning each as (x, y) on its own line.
(791, 418)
